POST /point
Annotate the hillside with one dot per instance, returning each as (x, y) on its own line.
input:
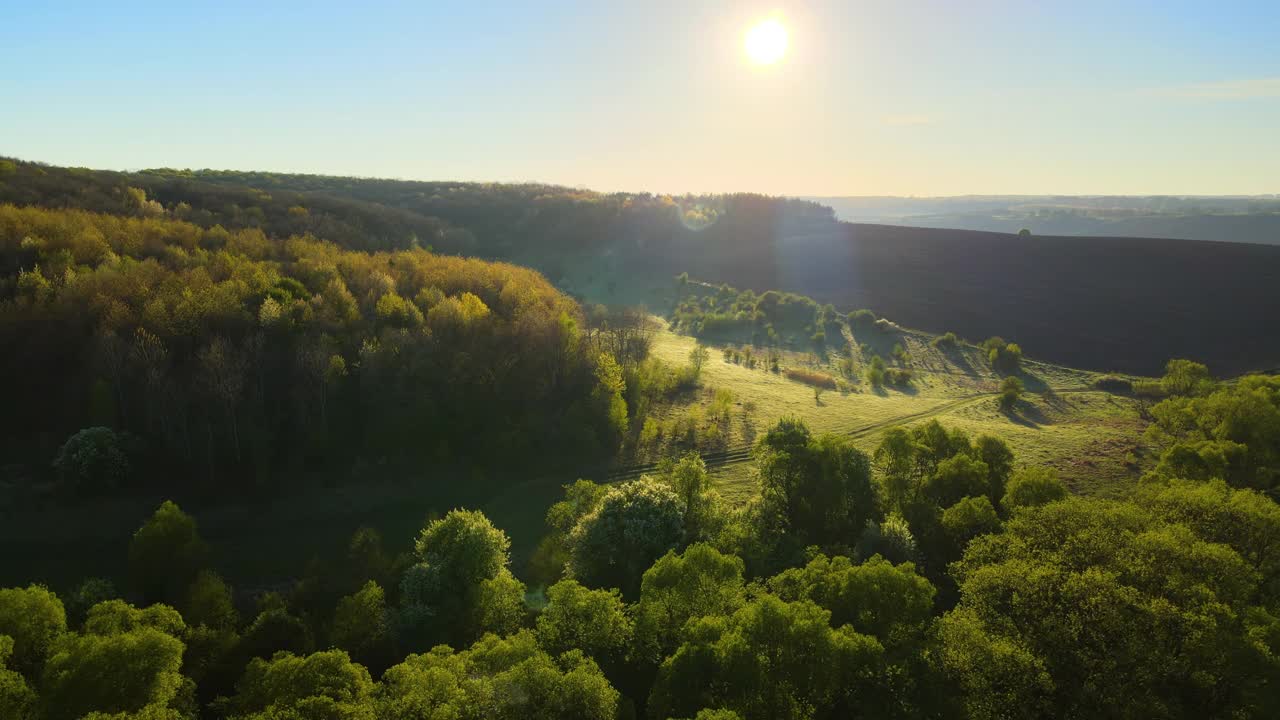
(1114, 303)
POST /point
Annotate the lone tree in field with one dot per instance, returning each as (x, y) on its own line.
(697, 358)
(1010, 391)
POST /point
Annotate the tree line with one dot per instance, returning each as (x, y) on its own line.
(155, 349)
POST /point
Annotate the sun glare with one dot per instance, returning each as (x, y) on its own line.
(766, 42)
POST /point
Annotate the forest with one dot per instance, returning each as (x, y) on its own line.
(204, 338)
(177, 347)
(934, 577)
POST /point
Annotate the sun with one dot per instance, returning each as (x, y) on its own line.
(766, 42)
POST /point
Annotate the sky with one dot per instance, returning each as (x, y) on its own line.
(872, 98)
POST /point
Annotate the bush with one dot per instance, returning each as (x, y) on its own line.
(901, 355)
(862, 319)
(1004, 357)
(1010, 391)
(898, 377)
(945, 342)
(811, 377)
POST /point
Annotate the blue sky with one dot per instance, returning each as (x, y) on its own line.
(893, 97)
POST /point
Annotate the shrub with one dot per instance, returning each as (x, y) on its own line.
(862, 319)
(901, 355)
(811, 377)
(1004, 357)
(876, 371)
(898, 377)
(1010, 391)
(945, 342)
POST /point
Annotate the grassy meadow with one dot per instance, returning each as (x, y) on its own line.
(1092, 437)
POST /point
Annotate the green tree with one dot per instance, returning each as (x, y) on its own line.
(92, 461)
(637, 522)
(88, 593)
(688, 478)
(113, 617)
(34, 619)
(697, 358)
(890, 602)
(999, 460)
(165, 555)
(956, 478)
(594, 622)
(1010, 392)
(276, 631)
(770, 659)
(898, 470)
(552, 554)
(460, 582)
(321, 685)
(149, 712)
(679, 587)
(113, 673)
(891, 539)
(1246, 520)
(509, 678)
(969, 518)
(17, 700)
(1231, 433)
(1031, 486)
(1186, 377)
(875, 371)
(814, 491)
(209, 602)
(361, 627)
(1099, 608)
(1005, 357)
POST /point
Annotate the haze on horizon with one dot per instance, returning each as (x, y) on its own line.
(878, 98)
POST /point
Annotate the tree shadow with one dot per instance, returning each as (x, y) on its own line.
(1026, 414)
(1032, 383)
(955, 355)
(748, 429)
(909, 389)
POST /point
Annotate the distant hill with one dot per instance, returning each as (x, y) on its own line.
(1104, 303)
(1230, 219)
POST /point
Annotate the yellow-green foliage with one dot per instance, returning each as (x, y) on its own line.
(234, 335)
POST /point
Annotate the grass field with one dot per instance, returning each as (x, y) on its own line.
(1093, 438)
